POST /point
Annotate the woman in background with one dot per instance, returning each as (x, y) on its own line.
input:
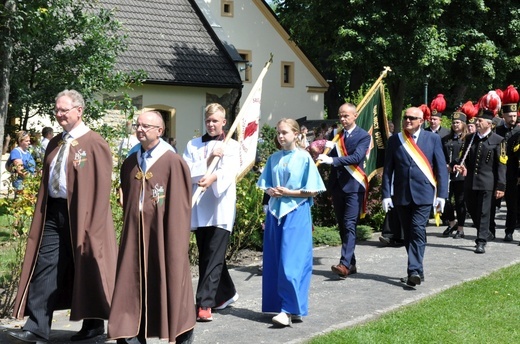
(21, 162)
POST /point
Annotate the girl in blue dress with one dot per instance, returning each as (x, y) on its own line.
(291, 179)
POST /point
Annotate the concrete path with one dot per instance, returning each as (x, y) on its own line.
(336, 303)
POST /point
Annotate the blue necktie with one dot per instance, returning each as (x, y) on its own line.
(144, 156)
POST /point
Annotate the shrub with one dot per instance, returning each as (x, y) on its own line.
(19, 213)
(329, 236)
(363, 232)
(326, 236)
(247, 231)
(375, 215)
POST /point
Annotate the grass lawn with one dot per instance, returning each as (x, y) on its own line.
(482, 311)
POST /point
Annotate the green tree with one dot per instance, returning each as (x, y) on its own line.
(62, 44)
(462, 48)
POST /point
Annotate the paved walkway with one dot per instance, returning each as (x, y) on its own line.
(336, 303)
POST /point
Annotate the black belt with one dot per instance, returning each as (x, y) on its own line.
(56, 200)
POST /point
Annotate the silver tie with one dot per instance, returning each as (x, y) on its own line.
(55, 178)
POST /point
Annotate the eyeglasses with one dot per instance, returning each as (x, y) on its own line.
(64, 112)
(411, 118)
(145, 127)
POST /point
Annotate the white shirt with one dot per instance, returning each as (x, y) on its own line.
(217, 205)
(75, 133)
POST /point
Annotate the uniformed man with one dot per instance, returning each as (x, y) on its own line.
(437, 106)
(483, 160)
(511, 133)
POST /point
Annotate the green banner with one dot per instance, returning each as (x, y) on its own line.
(372, 118)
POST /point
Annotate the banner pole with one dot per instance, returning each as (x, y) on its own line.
(232, 129)
(360, 106)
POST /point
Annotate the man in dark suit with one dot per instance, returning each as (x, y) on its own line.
(416, 159)
(511, 133)
(486, 160)
(435, 125)
(348, 184)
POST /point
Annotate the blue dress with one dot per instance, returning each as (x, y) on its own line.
(287, 257)
(29, 165)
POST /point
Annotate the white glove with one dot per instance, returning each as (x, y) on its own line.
(387, 204)
(330, 144)
(439, 204)
(325, 159)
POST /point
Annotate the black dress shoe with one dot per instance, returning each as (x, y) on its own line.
(458, 235)
(480, 248)
(412, 280)
(88, 333)
(450, 230)
(27, 336)
(385, 241)
(508, 237)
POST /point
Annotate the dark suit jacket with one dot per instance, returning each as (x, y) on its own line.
(357, 146)
(512, 138)
(452, 151)
(442, 132)
(410, 183)
(486, 171)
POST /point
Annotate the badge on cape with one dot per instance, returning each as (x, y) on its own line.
(80, 158)
(158, 195)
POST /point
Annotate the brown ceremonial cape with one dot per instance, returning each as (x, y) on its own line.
(89, 181)
(154, 250)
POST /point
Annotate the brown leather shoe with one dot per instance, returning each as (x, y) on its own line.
(342, 271)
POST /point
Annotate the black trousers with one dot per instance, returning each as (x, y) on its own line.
(511, 197)
(481, 207)
(392, 227)
(457, 194)
(215, 284)
(54, 272)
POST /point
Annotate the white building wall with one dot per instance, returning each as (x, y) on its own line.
(188, 103)
(249, 29)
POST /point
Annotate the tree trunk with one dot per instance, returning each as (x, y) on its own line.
(396, 90)
(332, 101)
(459, 94)
(5, 65)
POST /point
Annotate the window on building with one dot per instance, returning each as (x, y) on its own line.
(287, 74)
(226, 8)
(246, 55)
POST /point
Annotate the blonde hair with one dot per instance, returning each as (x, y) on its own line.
(20, 135)
(213, 108)
(295, 127)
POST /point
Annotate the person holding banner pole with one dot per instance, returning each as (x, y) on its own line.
(348, 184)
(213, 214)
(485, 157)
(415, 159)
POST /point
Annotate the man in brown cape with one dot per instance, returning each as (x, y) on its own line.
(70, 259)
(154, 294)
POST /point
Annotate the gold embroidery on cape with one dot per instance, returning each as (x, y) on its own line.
(147, 175)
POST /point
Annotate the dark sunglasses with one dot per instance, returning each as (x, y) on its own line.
(411, 118)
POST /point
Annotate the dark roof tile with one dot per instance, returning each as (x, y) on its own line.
(170, 41)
